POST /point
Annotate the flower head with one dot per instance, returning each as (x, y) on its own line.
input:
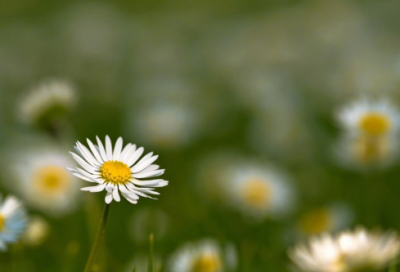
(204, 256)
(256, 190)
(49, 98)
(350, 251)
(13, 221)
(370, 118)
(43, 182)
(117, 170)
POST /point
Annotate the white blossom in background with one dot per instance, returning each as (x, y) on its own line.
(42, 180)
(203, 256)
(50, 97)
(13, 221)
(349, 251)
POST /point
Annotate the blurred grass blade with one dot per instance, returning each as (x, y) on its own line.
(151, 248)
(134, 269)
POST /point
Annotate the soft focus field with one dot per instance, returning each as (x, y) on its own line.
(219, 90)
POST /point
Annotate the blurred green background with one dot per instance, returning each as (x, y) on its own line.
(192, 81)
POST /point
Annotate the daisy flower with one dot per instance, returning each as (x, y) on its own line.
(117, 170)
(350, 251)
(43, 182)
(167, 124)
(325, 219)
(49, 98)
(256, 190)
(13, 221)
(203, 256)
(370, 118)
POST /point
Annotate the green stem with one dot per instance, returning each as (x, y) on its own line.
(151, 250)
(97, 241)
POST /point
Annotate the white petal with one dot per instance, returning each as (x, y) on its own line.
(109, 197)
(128, 154)
(109, 148)
(117, 149)
(87, 154)
(149, 174)
(94, 189)
(116, 195)
(143, 163)
(151, 183)
(94, 151)
(124, 151)
(151, 168)
(101, 149)
(135, 156)
(82, 177)
(83, 163)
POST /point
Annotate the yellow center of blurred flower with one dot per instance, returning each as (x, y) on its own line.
(316, 221)
(2, 222)
(257, 193)
(115, 172)
(375, 124)
(207, 263)
(52, 180)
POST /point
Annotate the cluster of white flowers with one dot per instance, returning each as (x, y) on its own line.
(350, 251)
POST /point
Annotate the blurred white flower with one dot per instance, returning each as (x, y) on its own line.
(43, 181)
(349, 251)
(257, 190)
(203, 256)
(370, 118)
(49, 98)
(13, 221)
(370, 128)
(37, 231)
(325, 219)
(117, 170)
(167, 125)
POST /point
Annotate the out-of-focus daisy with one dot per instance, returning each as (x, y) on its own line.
(117, 170)
(350, 251)
(325, 219)
(13, 221)
(43, 181)
(37, 231)
(370, 118)
(204, 256)
(47, 101)
(167, 124)
(257, 190)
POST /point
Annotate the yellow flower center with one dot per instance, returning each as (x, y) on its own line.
(115, 172)
(257, 193)
(316, 221)
(2, 222)
(207, 263)
(52, 180)
(375, 124)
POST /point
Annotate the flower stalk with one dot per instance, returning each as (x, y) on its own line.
(97, 241)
